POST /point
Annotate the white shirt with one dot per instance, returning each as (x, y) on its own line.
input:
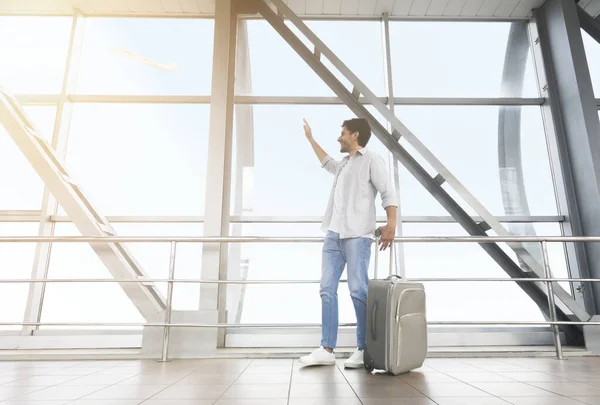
(351, 209)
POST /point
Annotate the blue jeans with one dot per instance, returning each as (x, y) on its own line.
(354, 253)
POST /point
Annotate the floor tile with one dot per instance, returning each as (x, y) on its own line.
(263, 379)
(514, 389)
(220, 369)
(179, 402)
(557, 400)
(321, 391)
(209, 379)
(569, 388)
(107, 402)
(436, 390)
(127, 392)
(272, 362)
(153, 379)
(396, 401)
(470, 401)
(258, 391)
(577, 376)
(398, 390)
(93, 379)
(191, 392)
(252, 402)
(532, 376)
(321, 378)
(588, 400)
(252, 369)
(483, 376)
(60, 393)
(427, 377)
(325, 401)
(502, 368)
(41, 381)
(11, 402)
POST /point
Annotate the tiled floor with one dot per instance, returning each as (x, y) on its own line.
(494, 381)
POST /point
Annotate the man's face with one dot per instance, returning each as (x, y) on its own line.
(347, 140)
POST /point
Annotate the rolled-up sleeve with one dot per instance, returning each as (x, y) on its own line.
(383, 182)
(330, 164)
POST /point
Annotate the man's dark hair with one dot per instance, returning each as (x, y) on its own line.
(361, 126)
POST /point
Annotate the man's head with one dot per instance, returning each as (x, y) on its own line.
(356, 133)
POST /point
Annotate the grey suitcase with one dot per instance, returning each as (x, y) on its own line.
(396, 325)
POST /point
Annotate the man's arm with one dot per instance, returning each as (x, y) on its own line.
(327, 161)
(389, 200)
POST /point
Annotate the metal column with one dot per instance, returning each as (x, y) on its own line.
(576, 149)
(218, 179)
(398, 251)
(60, 136)
(244, 169)
(434, 184)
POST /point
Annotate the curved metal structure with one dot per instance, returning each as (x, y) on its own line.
(510, 159)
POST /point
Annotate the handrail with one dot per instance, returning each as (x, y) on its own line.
(262, 282)
(284, 239)
(167, 325)
(287, 325)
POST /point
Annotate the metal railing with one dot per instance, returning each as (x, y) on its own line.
(167, 325)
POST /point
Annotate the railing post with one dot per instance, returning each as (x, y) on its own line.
(167, 328)
(551, 305)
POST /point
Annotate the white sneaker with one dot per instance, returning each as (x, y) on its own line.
(319, 357)
(356, 360)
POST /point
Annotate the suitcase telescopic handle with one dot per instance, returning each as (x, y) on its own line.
(373, 330)
(391, 269)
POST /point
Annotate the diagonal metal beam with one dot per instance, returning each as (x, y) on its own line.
(42, 157)
(589, 24)
(535, 290)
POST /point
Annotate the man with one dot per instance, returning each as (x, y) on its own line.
(349, 223)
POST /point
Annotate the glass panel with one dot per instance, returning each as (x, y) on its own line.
(451, 59)
(285, 166)
(16, 263)
(90, 302)
(283, 261)
(480, 301)
(154, 258)
(37, 50)
(146, 56)
(20, 186)
(465, 140)
(359, 48)
(147, 159)
(83, 302)
(592, 54)
(462, 138)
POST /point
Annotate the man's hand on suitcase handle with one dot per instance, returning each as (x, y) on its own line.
(387, 234)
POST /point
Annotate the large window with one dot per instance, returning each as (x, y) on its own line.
(141, 159)
(451, 59)
(359, 47)
(146, 56)
(16, 261)
(20, 186)
(147, 158)
(106, 302)
(34, 53)
(287, 180)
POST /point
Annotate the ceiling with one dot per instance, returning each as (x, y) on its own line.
(434, 9)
